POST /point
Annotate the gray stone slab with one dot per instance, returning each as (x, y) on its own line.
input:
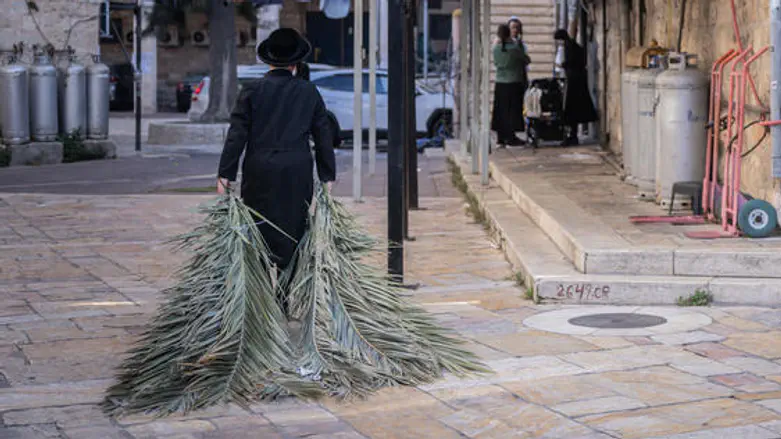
(36, 153)
(746, 291)
(728, 263)
(186, 133)
(618, 290)
(631, 262)
(107, 147)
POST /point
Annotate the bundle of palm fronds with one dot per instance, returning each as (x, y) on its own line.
(358, 331)
(221, 335)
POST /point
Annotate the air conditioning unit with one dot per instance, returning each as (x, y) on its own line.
(200, 38)
(169, 38)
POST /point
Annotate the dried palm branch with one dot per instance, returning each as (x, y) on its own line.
(359, 332)
(220, 336)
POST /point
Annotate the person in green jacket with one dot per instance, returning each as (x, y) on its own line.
(511, 60)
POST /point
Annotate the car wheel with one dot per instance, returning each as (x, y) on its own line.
(441, 124)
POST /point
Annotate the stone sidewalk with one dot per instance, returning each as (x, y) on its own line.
(80, 275)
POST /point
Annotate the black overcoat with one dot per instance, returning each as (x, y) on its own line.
(578, 107)
(271, 124)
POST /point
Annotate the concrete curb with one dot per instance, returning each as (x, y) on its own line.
(554, 279)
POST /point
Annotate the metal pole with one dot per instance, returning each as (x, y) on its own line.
(485, 137)
(357, 98)
(775, 77)
(396, 76)
(412, 149)
(373, 86)
(425, 39)
(474, 143)
(464, 76)
(137, 77)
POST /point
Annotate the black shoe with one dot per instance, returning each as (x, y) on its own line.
(516, 142)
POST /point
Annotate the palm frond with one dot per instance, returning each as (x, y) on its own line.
(359, 333)
(220, 337)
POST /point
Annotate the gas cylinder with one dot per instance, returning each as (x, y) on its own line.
(644, 164)
(97, 99)
(681, 116)
(73, 99)
(14, 103)
(43, 99)
(629, 135)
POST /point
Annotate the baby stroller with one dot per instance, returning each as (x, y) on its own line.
(543, 110)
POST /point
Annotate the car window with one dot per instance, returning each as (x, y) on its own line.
(382, 84)
(341, 82)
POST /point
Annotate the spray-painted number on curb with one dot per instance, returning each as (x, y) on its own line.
(582, 291)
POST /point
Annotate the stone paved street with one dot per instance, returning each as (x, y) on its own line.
(80, 275)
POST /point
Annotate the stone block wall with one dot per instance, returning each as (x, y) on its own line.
(51, 24)
(708, 32)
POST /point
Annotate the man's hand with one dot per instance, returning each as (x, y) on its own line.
(222, 186)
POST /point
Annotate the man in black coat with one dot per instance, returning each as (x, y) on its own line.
(271, 124)
(578, 107)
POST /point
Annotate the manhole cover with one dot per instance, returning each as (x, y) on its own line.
(618, 321)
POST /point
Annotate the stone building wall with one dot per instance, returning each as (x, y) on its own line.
(708, 33)
(51, 24)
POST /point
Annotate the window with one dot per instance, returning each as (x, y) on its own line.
(341, 82)
(344, 82)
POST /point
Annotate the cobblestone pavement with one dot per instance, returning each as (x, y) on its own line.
(80, 275)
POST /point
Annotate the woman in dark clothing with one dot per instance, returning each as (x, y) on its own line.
(510, 63)
(516, 34)
(578, 107)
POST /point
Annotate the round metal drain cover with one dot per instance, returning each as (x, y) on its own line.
(618, 321)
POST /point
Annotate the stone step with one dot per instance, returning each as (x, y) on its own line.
(594, 247)
(554, 279)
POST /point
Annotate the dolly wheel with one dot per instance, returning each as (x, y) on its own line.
(757, 218)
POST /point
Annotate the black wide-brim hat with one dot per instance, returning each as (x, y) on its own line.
(284, 47)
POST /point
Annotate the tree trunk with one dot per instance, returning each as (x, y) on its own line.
(222, 57)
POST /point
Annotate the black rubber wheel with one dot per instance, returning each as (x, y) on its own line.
(757, 218)
(441, 123)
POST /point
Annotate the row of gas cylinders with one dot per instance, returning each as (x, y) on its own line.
(664, 112)
(41, 102)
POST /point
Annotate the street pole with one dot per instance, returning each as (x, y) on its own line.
(412, 148)
(464, 76)
(425, 39)
(373, 86)
(474, 142)
(486, 89)
(357, 97)
(396, 74)
(138, 73)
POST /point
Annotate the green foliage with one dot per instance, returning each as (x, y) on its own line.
(699, 298)
(359, 333)
(473, 204)
(74, 150)
(222, 337)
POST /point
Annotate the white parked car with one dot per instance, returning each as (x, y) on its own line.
(200, 98)
(434, 110)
